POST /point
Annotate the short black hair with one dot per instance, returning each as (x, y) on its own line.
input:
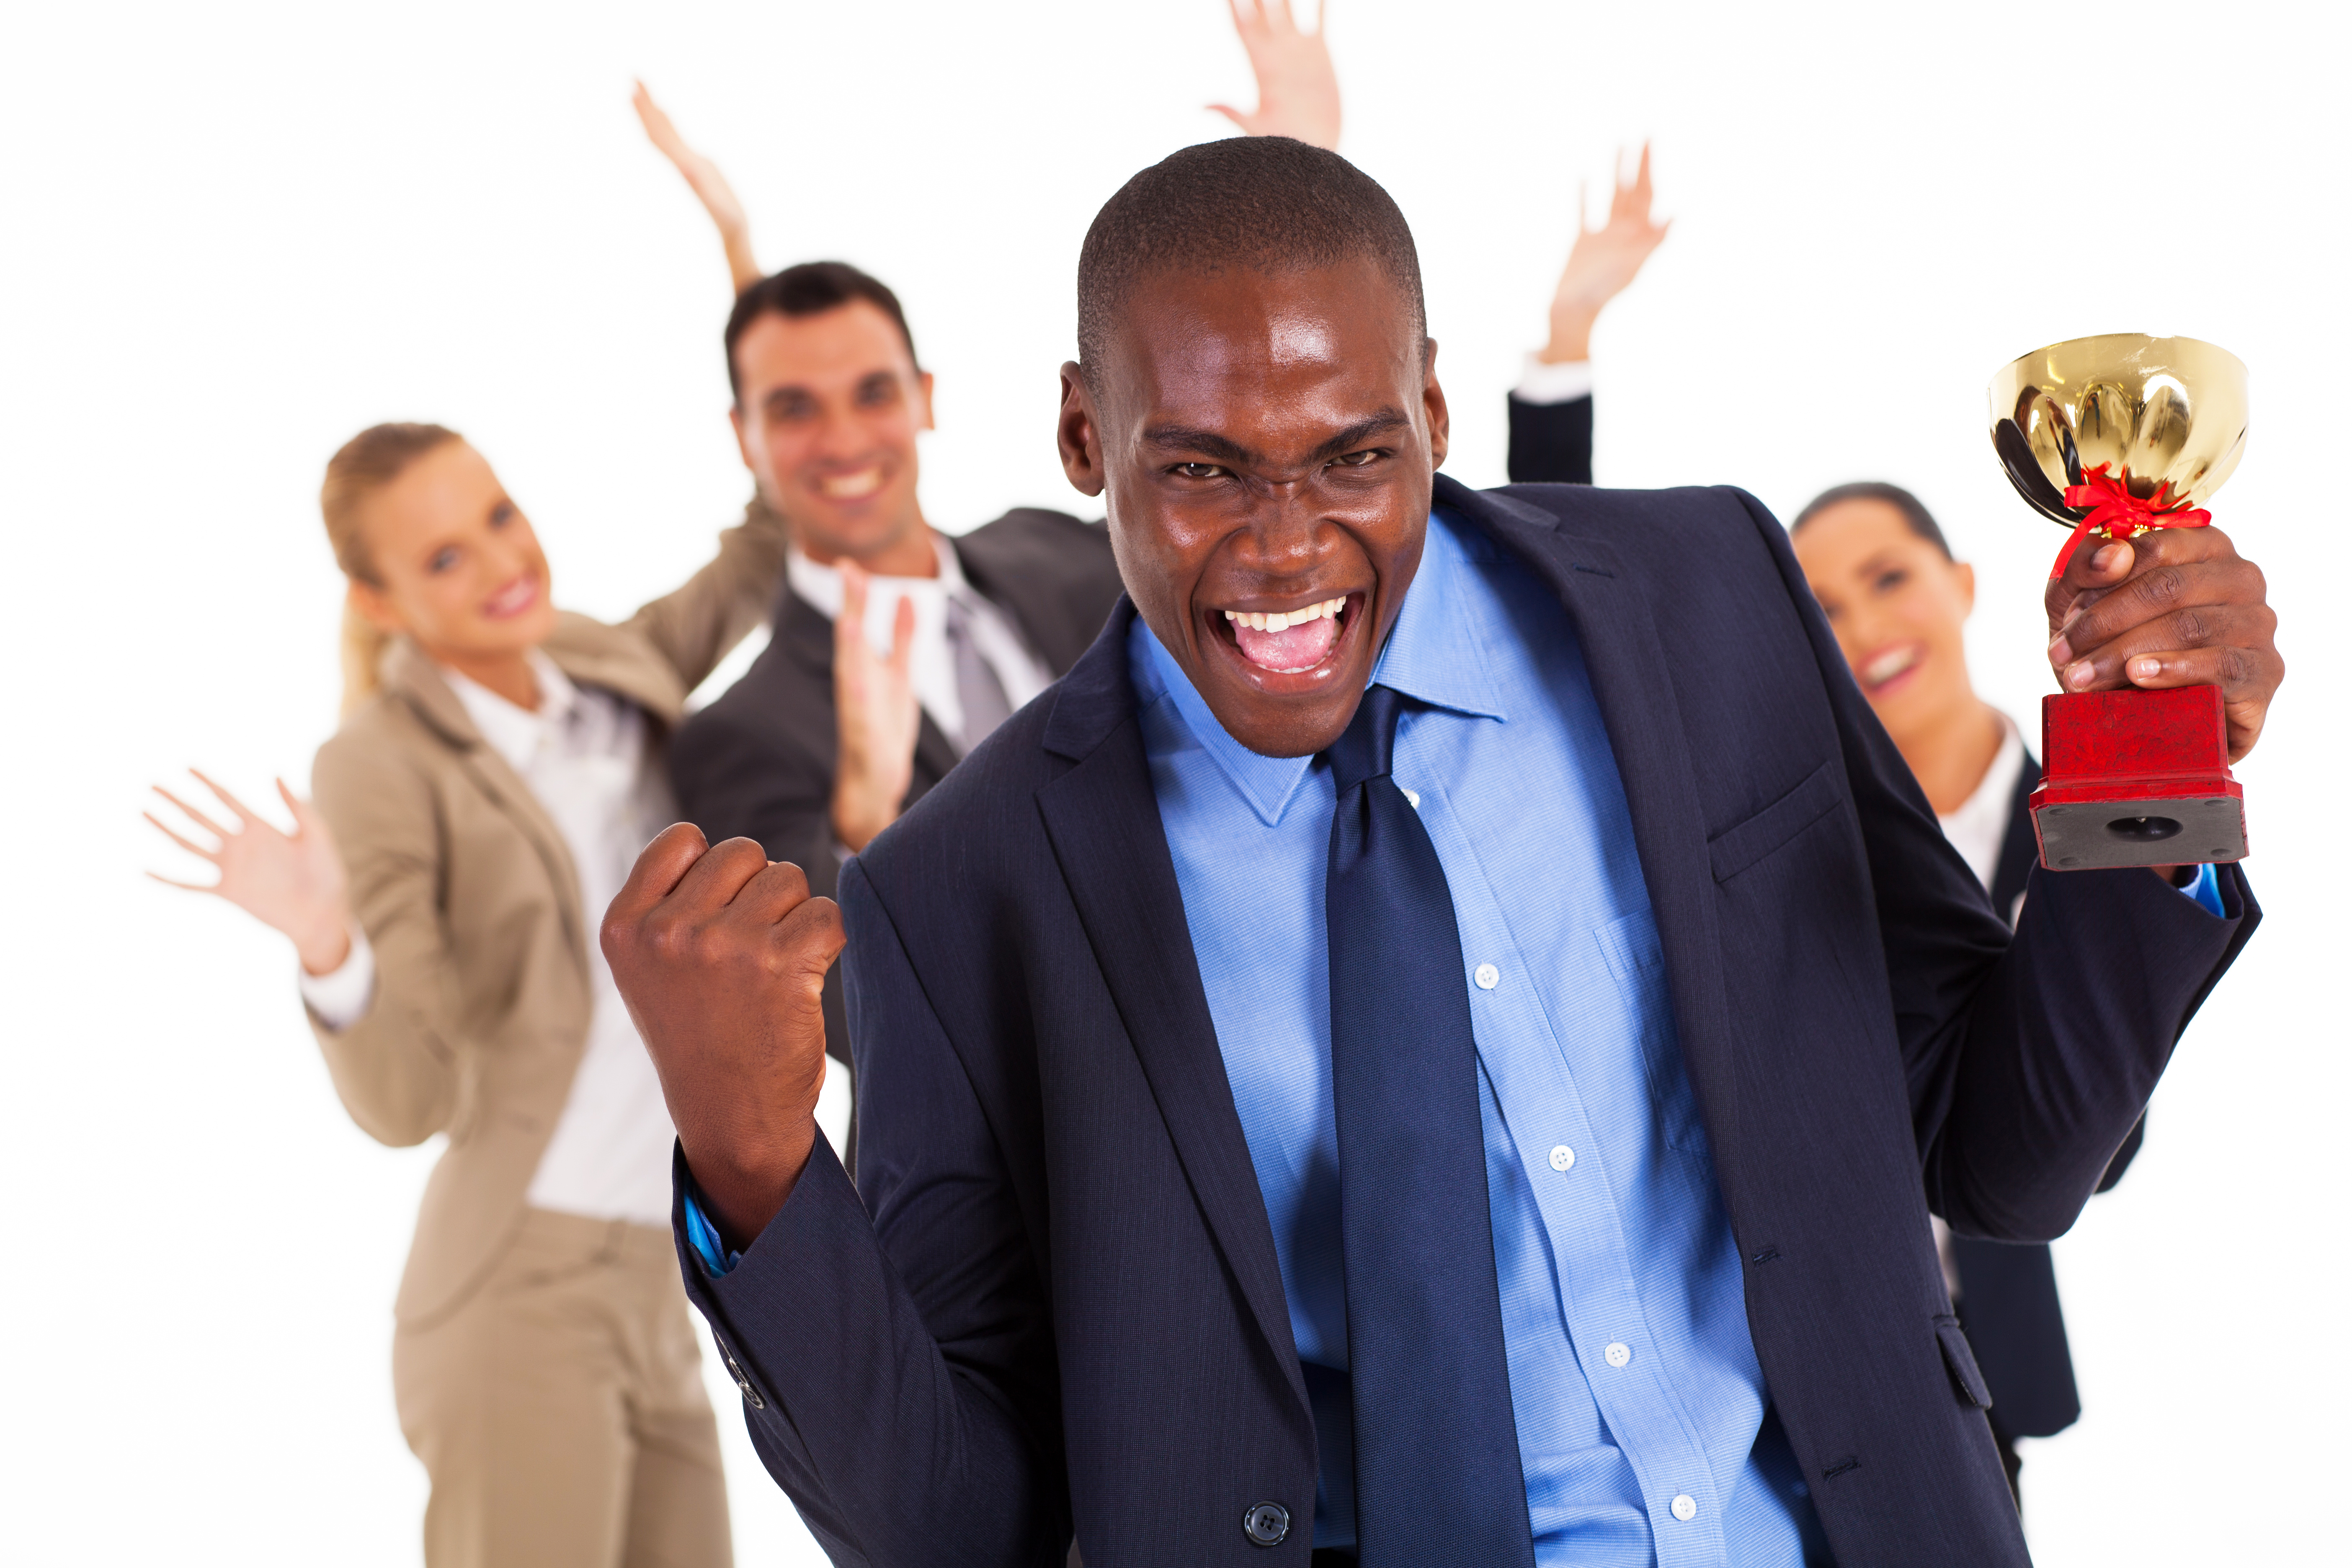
(1920, 521)
(811, 288)
(1264, 204)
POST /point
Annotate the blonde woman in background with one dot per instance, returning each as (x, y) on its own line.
(497, 769)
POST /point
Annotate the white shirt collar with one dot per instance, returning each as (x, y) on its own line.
(513, 731)
(1978, 828)
(820, 585)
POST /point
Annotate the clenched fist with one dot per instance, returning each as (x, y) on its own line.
(720, 954)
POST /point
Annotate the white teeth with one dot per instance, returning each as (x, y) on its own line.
(1282, 620)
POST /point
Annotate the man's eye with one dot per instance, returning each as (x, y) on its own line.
(1198, 471)
(1363, 459)
(502, 514)
(879, 392)
(1890, 581)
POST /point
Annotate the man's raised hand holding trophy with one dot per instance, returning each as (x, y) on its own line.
(2160, 634)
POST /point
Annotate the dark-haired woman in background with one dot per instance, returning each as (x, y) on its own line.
(1898, 600)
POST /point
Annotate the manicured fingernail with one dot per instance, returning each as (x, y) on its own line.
(2146, 668)
(2105, 557)
(2079, 674)
(2059, 652)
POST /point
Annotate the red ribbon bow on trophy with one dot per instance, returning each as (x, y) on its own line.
(2114, 508)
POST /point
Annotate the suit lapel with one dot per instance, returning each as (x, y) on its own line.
(1627, 667)
(410, 676)
(1104, 821)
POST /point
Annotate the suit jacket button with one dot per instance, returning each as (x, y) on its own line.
(750, 1394)
(1266, 1523)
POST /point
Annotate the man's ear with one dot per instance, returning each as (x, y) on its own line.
(927, 422)
(742, 442)
(1967, 575)
(1075, 432)
(373, 608)
(1433, 402)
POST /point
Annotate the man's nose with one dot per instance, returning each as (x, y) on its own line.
(841, 435)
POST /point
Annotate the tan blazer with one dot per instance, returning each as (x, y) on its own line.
(469, 897)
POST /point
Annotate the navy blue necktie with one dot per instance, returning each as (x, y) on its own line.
(1437, 1453)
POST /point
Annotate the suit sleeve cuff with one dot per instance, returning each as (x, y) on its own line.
(340, 997)
(701, 1233)
(1563, 383)
(2207, 891)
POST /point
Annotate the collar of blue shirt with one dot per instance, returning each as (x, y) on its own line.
(1432, 657)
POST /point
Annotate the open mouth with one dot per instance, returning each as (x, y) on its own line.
(1292, 641)
(856, 485)
(513, 599)
(1884, 667)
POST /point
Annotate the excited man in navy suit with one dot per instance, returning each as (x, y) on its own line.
(1423, 1048)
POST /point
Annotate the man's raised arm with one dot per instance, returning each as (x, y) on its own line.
(2031, 1058)
(903, 1398)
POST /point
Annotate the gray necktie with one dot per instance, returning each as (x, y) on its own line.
(982, 695)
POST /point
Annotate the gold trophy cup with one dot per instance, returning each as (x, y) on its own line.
(2117, 437)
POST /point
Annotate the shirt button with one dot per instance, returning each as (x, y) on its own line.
(1562, 1156)
(1412, 797)
(1487, 976)
(1684, 1508)
(1618, 1355)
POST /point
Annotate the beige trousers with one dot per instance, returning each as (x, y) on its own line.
(560, 1411)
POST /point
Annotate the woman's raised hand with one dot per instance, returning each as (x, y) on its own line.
(291, 882)
(1603, 262)
(709, 186)
(1298, 91)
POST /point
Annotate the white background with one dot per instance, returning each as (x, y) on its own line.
(236, 233)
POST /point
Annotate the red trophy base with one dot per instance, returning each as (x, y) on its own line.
(2137, 778)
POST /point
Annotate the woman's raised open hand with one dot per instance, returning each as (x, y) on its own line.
(709, 186)
(291, 882)
(1298, 91)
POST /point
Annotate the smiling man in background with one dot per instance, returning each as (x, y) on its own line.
(1423, 1048)
(894, 649)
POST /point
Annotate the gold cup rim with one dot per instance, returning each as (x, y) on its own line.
(2140, 351)
(1993, 387)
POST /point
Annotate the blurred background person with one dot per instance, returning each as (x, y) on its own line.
(1897, 601)
(497, 769)
(894, 649)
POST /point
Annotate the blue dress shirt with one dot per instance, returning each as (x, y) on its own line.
(1635, 1390)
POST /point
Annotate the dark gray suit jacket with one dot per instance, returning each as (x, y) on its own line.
(759, 762)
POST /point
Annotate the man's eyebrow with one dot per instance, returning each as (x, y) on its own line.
(1361, 431)
(1188, 438)
(1210, 444)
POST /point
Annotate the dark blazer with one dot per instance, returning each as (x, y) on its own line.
(1551, 443)
(1057, 1304)
(2008, 1292)
(759, 762)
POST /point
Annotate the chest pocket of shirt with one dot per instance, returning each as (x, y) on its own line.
(1630, 943)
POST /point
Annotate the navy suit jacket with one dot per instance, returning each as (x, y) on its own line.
(1052, 1300)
